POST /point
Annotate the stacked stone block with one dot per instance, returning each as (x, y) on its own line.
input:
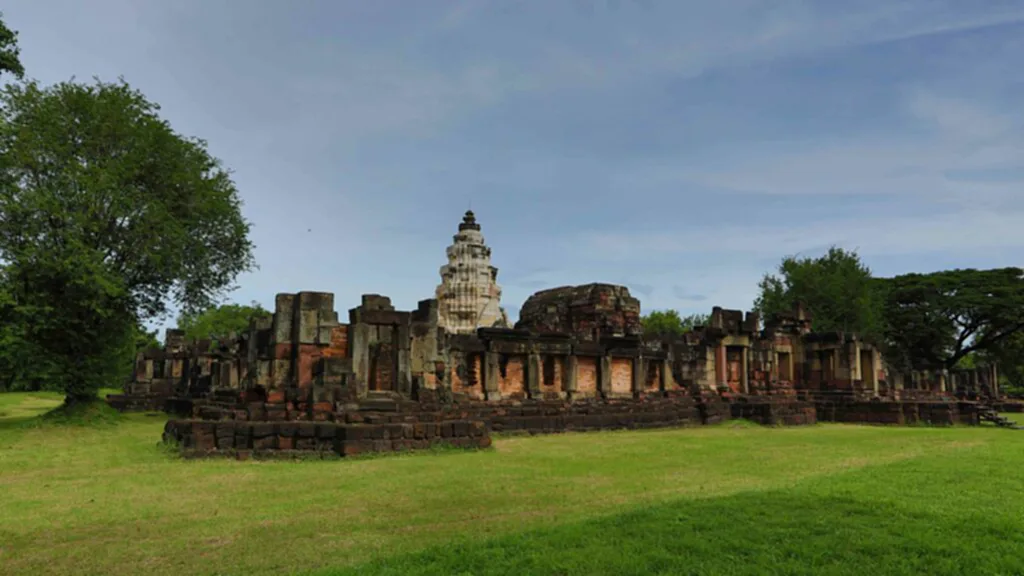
(587, 312)
(243, 438)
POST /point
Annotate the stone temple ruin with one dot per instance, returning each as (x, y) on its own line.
(469, 295)
(452, 372)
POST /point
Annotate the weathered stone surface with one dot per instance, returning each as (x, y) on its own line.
(586, 312)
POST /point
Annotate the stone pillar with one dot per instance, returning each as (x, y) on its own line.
(720, 366)
(282, 370)
(854, 357)
(403, 374)
(491, 390)
(745, 370)
(833, 365)
(533, 368)
(359, 347)
(401, 343)
(875, 365)
(639, 374)
(569, 381)
(604, 376)
(666, 375)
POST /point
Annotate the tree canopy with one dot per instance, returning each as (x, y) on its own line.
(670, 323)
(106, 216)
(217, 322)
(837, 289)
(936, 320)
(10, 61)
(1008, 356)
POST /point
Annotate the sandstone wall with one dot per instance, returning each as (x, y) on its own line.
(586, 312)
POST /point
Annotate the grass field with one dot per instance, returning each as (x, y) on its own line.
(733, 499)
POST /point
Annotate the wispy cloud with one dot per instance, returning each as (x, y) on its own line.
(679, 147)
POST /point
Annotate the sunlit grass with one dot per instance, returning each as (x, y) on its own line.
(718, 500)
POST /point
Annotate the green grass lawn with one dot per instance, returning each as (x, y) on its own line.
(828, 499)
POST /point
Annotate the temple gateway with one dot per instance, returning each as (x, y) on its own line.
(451, 371)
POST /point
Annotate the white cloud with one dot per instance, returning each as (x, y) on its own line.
(391, 91)
(965, 231)
(957, 137)
(961, 122)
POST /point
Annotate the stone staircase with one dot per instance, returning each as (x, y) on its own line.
(987, 413)
(380, 401)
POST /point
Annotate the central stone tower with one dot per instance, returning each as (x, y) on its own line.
(469, 296)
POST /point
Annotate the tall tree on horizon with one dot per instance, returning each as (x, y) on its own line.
(934, 321)
(217, 322)
(10, 53)
(671, 323)
(837, 289)
(107, 216)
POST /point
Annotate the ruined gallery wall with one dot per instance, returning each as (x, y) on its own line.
(289, 348)
(380, 349)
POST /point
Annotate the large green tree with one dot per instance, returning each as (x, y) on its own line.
(22, 368)
(1008, 356)
(837, 289)
(106, 217)
(218, 322)
(670, 323)
(10, 61)
(936, 320)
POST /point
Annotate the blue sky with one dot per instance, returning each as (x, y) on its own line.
(681, 148)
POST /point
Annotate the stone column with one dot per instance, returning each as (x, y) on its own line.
(569, 381)
(720, 366)
(855, 374)
(833, 365)
(666, 375)
(639, 374)
(745, 369)
(491, 390)
(533, 368)
(359, 344)
(875, 365)
(604, 376)
(283, 370)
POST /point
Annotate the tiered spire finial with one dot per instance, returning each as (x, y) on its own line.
(469, 296)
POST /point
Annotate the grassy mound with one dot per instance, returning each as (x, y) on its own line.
(47, 409)
(93, 413)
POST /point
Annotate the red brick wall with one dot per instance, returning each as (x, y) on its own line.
(339, 343)
(586, 376)
(473, 385)
(622, 376)
(309, 355)
(514, 381)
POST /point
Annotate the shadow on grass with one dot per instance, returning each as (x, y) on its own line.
(754, 533)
